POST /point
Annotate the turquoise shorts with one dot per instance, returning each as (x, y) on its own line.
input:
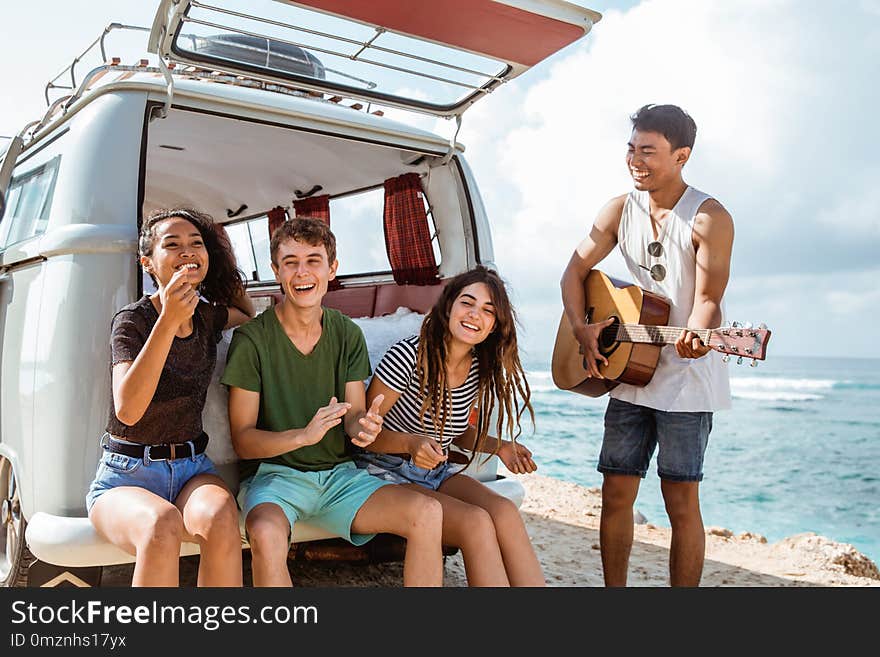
(329, 499)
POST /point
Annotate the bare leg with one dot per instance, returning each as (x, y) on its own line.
(470, 528)
(688, 548)
(210, 517)
(616, 526)
(520, 561)
(145, 525)
(269, 536)
(417, 518)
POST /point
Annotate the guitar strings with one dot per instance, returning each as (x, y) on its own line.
(643, 333)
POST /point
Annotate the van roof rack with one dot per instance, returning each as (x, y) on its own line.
(439, 58)
(79, 86)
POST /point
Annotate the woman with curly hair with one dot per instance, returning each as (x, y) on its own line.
(155, 486)
(466, 354)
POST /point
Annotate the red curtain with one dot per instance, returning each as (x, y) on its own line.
(407, 236)
(317, 207)
(276, 217)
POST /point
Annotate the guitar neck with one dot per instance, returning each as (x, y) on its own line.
(643, 333)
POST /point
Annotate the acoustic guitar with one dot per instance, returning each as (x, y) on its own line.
(633, 341)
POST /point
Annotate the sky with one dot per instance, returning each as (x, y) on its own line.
(780, 90)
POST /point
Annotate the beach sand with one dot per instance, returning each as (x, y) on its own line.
(563, 522)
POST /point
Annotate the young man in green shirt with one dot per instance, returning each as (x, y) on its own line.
(296, 394)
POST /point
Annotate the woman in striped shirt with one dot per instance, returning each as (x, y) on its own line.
(465, 355)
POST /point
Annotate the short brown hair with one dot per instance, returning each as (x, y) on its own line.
(307, 230)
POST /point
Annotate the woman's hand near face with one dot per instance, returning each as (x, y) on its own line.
(179, 298)
(426, 452)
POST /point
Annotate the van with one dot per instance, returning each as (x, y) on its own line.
(253, 112)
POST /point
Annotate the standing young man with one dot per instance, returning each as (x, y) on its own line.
(677, 242)
(296, 395)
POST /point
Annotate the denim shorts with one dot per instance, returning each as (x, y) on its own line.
(329, 499)
(164, 478)
(632, 432)
(396, 470)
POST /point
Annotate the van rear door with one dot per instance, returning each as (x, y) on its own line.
(437, 57)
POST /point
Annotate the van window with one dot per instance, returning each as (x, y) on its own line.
(250, 241)
(356, 220)
(28, 203)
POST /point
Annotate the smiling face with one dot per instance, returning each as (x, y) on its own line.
(177, 244)
(304, 272)
(652, 162)
(472, 315)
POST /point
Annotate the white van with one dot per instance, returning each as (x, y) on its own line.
(256, 110)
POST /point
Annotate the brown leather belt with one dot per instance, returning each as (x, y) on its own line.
(160, 452)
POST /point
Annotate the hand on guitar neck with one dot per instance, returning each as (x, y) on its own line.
(690, 345)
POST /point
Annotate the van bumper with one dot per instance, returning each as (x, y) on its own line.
(74, 543)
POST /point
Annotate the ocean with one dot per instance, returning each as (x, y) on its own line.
(798, 452)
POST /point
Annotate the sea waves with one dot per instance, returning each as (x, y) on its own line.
(778, 389)
(759, 388)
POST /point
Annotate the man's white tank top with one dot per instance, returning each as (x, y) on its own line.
(678, 384)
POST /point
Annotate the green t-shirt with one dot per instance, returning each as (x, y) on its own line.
(292, 386)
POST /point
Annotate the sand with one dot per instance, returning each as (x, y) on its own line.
(563, 523)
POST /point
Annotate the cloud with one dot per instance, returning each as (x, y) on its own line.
(781, 93)
(812, 314)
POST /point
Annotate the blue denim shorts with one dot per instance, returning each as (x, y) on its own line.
(329, 499)
(164, 478)
(632, 432)
(397, 470)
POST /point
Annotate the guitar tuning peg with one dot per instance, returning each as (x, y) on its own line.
(739, 360)
(747, 325)
(754, 362)
(725, 358)
(762, 326)
(735, 325)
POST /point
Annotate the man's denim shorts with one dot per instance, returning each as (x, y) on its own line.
(632, 432)
(164, 478)
(329, 499)
(397, 470)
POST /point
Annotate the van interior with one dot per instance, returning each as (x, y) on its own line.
(244, 173)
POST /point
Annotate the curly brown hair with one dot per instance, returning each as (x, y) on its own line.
(501, 375)
(224, 281)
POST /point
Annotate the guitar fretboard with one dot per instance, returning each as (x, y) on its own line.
(650, 334)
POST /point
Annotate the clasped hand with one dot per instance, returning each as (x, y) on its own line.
(426, 452)
(516, 457)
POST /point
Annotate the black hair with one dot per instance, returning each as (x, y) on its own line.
(670, 121)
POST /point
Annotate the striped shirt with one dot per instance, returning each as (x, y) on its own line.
(397, 370)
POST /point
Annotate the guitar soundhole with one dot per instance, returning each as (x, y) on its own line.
(607, 339)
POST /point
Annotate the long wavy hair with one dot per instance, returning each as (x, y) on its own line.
(223, 283)
(502, 380)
